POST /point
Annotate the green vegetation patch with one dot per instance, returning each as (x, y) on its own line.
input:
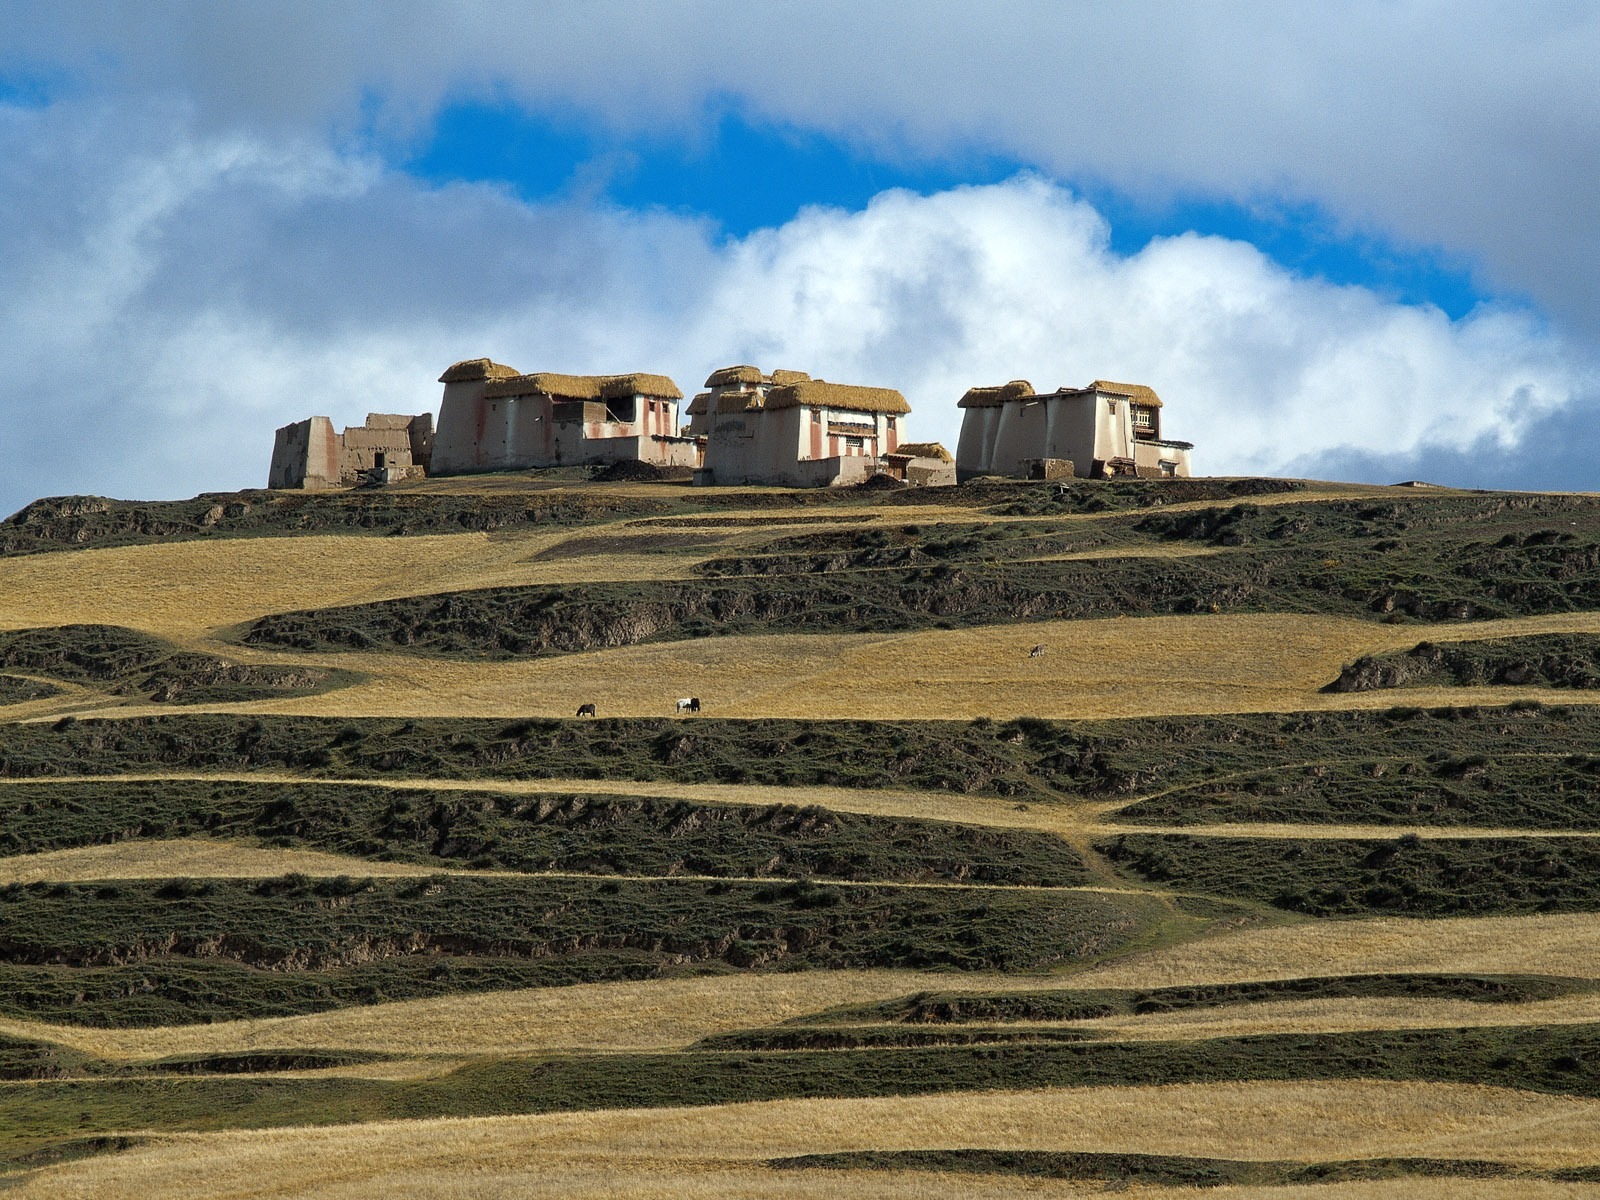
(1153, 1170)
(1408, 876)
(1435, 558)
(1027, 759)
(867, 1037)
(577, 929)
(30, 1154)
(179, 991)
(16, 690)
(21, 1059)
(938, 756)
(129, 663)
(1089, 1004)
(600, 834)
(85, 522)
(1562, 660)
(26, 1059)
(1558, 1059)
(88, 522)
(1442, 789)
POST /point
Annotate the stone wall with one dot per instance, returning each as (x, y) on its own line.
(309, 454)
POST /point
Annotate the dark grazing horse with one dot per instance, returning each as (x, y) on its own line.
(586, 710)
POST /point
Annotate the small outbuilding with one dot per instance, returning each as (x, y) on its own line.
(921, 464)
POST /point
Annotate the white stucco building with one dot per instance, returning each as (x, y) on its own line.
(789, 429)
(1103, 430)
(493, 418)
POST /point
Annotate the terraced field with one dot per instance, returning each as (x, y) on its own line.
(1277, 867)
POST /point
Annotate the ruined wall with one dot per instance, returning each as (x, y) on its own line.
(309, 454)
(305, 454)
(402, 441)
(1162, 459)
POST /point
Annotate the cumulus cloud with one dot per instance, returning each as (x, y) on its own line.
(1471, 128)
(180, 291)
(1261, 368)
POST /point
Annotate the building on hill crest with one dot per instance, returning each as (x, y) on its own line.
(1104, 430)
(390, 446)
(789, 429)
(493, 418)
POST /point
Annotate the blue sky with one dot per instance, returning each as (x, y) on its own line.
(547, 156)
(1356, 247)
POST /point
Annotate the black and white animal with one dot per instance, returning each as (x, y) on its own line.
(1036, 651)
(586, 710)
(689, 704)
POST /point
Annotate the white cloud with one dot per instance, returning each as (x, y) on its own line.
(1259, 367)
(1473, 128)
(181, 293)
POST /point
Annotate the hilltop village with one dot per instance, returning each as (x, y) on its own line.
(747, 427)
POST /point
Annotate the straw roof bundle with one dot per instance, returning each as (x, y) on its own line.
(471, 369)
(585, 387)
(727, 376)
(738, 402)
(817, 393)
(780, 378)
(699, 405)
(923, 450)
(1137, 391)
(994, 397)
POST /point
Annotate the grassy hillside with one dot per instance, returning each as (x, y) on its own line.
(1236, 834)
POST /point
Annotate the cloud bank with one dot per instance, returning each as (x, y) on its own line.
(1475, 129)
(180, 289)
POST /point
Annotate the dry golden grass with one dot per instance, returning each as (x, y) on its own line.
(213, 858)
(1567, 944)
(185, 589)
(1188, 665)
(700, 1178)
(1069, 819)
(221, 858)
(1340, 832)
(1344, 1015)
(1161, 550)
(714, 1151)
(656, 1014)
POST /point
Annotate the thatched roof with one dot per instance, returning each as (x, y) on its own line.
(733, 376)
(726, 376)
(737, 402)
(699, 405)
(817, 393)
(585, 387)
(471, 369)
(1137, 391)
(923, 450)
(994, 397)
